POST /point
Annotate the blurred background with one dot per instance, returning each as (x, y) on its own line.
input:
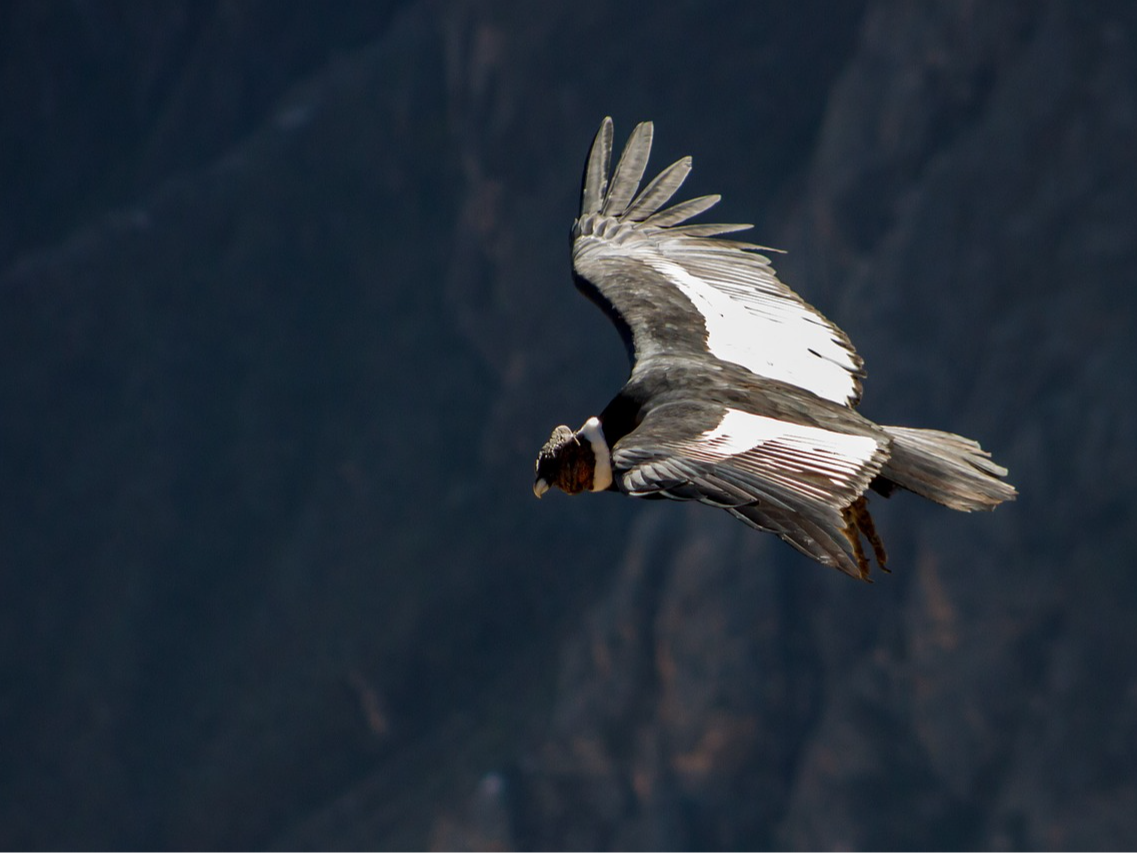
(286, 312)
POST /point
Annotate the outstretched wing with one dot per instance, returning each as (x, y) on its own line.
(795, 480)
(679, 289)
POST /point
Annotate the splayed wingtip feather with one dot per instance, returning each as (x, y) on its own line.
(596, 172)
(629, 170)
(659, 190)
(683, 211)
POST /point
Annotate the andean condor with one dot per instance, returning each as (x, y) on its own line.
(741, 395)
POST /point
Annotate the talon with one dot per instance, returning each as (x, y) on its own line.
(858, 522)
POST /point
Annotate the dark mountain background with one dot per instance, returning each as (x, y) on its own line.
(285, 313)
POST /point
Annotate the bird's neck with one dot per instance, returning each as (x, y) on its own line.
(593, 433)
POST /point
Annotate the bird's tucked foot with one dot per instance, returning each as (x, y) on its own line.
(858, 523)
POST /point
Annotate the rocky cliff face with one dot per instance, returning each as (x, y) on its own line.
(285, 314)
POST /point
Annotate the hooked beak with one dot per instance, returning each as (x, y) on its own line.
(540, 487)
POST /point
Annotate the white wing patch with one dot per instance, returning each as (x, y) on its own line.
(756, 327)
(783, 449)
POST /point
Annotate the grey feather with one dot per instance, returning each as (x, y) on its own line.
(821, 541)
(683, 211)
(596, 172)
(629, 171)
(946, 468)
(657, 193)
(709, 229)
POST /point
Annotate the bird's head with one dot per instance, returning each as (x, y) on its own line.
(565, 462)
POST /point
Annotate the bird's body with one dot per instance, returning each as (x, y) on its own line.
(741, 395)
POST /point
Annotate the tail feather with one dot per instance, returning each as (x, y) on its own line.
(946, 468)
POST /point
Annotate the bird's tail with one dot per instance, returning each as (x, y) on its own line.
(946, 468)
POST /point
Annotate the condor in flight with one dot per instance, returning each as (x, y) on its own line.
(741, 395)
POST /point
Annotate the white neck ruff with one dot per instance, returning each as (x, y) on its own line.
(602, 475)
